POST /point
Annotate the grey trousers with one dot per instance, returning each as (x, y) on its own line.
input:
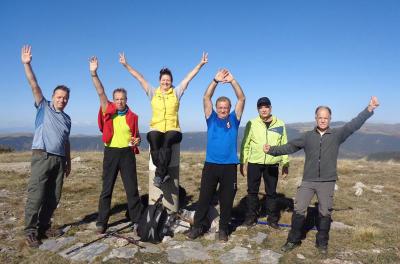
(44, 190)
(305, 193)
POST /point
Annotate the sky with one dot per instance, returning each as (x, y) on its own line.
(300, 54)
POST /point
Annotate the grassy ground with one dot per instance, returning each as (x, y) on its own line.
(374, 216)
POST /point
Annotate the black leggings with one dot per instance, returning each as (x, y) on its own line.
(160, 149)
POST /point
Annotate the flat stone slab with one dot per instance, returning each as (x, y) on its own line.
(188, 251)
(88, 253)
(269, 257)
(54, 245)
(124, 253)
(259, 238)
(236, 255)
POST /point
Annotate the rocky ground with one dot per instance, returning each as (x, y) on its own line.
(365, 228)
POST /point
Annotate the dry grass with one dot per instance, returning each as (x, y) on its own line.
(374, 215)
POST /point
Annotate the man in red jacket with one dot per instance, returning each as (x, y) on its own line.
(119, 126)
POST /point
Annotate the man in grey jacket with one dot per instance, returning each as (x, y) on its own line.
(321, 147)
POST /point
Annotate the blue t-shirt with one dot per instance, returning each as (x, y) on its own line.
(222, 139)
(52, 129)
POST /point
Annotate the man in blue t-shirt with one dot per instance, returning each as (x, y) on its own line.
(51, 158)
(221, 156)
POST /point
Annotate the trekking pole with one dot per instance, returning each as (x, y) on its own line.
(97, 239)
(129, 239)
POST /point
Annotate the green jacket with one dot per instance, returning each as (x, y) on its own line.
(256, 135)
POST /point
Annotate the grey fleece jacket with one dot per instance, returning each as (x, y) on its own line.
(321, 151)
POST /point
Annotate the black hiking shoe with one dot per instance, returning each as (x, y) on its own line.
(250, 221)
(195, 232)
(100, 229)
(50, 233)
(32, 241)
(223, 236)
(274, 225)
(289, 246)
(322, 249)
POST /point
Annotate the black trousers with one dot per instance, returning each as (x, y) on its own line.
(226, 176)
(270, 175)
(160, 149)
(119, 160)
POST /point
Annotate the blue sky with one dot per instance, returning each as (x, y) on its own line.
(299, 53)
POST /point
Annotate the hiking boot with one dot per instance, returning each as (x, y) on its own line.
(223, 236)
(322, 249)
(289, 246)
(250, 221)
(32, 241)
(157, 181)
(100, 229)
(195, 232)
(274, 225)
(50, 233)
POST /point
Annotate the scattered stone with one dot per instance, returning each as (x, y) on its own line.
(55, 245)
(124, 253)
(359, 188)
(236, 255)
(88, 253)
(300, 256)
(259, 238)
(269, 257)
(336, 187)
(121, 242)
(166, 239)
(77, 159)
(4, 193)
(188, 251)
(340, 226)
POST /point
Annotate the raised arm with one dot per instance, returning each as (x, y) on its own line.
(355, 124)
(26, 58)
(239, 94)
(93, 65)
(145, 85)
(207, 103)
(291, 147)
(192, 73)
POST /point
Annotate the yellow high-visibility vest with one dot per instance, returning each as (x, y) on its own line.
(165, 107)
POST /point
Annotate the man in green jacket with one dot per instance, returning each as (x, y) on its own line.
(264, 129)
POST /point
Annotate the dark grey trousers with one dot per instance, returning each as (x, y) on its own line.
(44, 190)
(307, 190)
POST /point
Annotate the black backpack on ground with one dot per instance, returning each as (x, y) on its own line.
(152, 222)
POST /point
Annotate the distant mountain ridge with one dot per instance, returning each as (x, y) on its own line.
(371, 138)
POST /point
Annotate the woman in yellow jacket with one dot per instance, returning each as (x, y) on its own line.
(164, 125)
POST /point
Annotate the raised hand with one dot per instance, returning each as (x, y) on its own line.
(122, 59)
(93, 64)
(266, 148)
(204, 58)
(373, 103)
(228, 78)
(26, 55)
(221, 75)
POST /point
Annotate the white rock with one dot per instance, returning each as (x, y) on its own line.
(300, 256)
(77, 159)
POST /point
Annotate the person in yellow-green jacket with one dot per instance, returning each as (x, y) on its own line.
(164, 126)
(254, 163)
